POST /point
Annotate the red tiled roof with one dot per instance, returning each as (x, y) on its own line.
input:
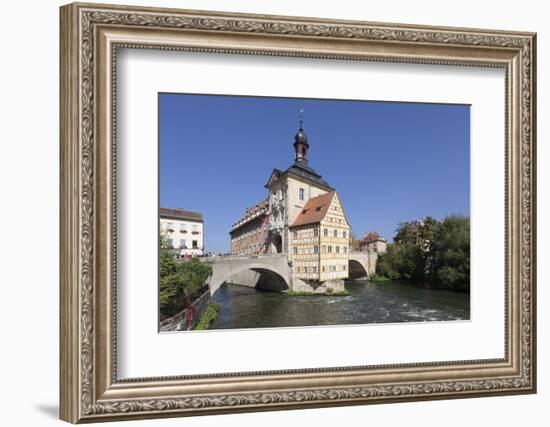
(315, 210)
(372, 236)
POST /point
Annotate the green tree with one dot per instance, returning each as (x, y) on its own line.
(451, 254)
(405, 233)
(401, 262)
(430, 251)
(385, 268)
(178, 280)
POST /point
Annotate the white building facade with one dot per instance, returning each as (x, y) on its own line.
(184, 231)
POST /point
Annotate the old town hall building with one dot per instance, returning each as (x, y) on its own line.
(302, 217)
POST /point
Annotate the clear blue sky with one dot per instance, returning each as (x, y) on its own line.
(389, 161)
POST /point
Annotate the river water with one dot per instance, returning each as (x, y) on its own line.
(368, 302)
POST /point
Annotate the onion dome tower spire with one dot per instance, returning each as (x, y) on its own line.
(300, 141)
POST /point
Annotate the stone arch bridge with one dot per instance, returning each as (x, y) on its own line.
(273, 272)
(262, 271)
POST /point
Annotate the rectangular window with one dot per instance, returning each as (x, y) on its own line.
(329, 249)
(325, 232)
(323, 268)
(335, 233)
(344, 234)
(324, 249)
(302, 195)
(294, 234)
(337, 249)
(170, 243)
(305, 269)
(295, 250)
(314, 269)
(195, 244)
(345, 249)
(344, 267)
(315, 232)
(315, 249)
(182, 244)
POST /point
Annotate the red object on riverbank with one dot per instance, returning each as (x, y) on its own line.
(189, 315)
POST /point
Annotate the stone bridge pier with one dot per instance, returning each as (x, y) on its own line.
(270, 272)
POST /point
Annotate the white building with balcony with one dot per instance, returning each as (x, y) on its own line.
(184, 231)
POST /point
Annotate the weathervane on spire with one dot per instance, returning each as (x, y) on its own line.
(301, 118)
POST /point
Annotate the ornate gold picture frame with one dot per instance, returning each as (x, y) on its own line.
(91, 34)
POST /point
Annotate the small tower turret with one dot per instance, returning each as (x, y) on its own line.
(300, 142)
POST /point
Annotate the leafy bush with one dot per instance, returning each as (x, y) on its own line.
(401, 262)
(180, 281)
(209, 315)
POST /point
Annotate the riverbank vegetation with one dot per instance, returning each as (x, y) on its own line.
(181, 282)
(379, 279)
(431, 252)
(209, 315)
(315, 294)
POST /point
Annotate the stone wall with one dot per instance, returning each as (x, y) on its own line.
(329, 286)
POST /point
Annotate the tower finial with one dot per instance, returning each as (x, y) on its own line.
(300, 141)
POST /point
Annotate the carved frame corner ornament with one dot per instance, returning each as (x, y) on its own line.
(90, 36)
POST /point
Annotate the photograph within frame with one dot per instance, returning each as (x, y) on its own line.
(316, 347)
(294, 254)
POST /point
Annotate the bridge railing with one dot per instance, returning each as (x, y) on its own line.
(241, 257)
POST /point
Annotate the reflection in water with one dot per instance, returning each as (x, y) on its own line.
(386, 302)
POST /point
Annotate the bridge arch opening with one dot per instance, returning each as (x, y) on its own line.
(257, 277)
(268, 280)
(357, 270)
